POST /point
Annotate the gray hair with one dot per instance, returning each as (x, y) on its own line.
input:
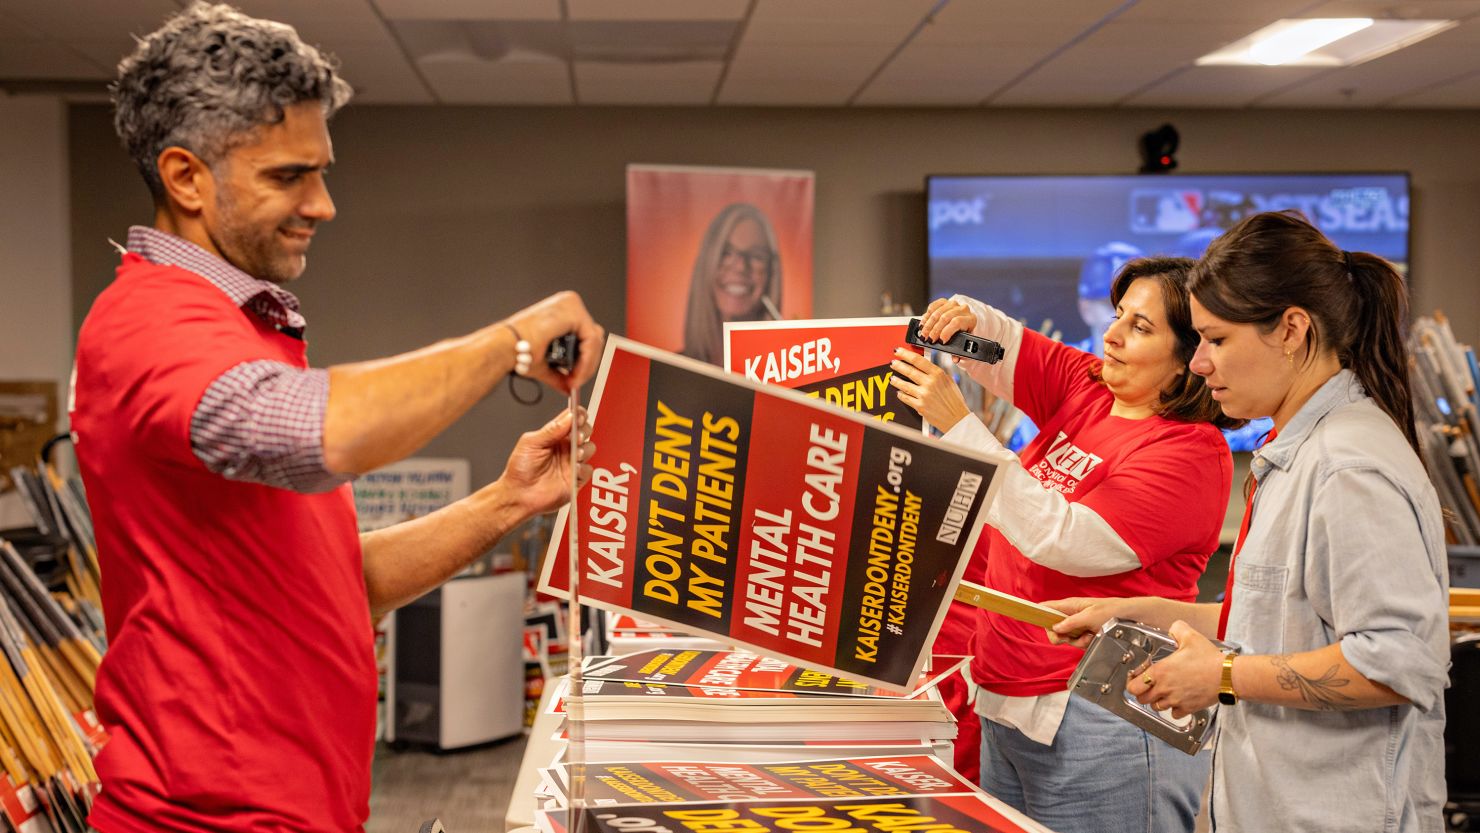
(208, 79)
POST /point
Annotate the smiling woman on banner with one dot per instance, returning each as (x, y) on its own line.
(737, 277)
(1083, 512)
(1338, 598)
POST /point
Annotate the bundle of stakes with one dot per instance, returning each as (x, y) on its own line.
(59, 512)
(51, 643)
(1446, 405)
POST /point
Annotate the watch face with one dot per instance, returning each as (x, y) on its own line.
(1227, 698)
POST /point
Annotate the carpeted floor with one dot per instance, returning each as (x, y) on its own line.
(467, 789)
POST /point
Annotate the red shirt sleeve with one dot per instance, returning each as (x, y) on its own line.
(1049, 373)
(180, 338)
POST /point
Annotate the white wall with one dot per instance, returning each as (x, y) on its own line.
(35, 251)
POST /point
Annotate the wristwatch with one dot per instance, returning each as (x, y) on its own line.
(1225, 686)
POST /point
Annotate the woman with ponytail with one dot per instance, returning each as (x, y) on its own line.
(1337, 597)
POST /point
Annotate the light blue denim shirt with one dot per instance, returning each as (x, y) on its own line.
(1346, 546)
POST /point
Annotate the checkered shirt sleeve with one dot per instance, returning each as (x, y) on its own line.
(263, 422)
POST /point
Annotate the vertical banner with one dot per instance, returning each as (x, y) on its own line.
(711, 245)
(767, 519)
(844, 361)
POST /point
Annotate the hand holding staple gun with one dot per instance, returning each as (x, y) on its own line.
(1120, 658)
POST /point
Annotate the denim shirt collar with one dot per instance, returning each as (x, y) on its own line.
(1341, 389)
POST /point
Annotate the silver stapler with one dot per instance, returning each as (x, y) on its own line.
(1120, 651)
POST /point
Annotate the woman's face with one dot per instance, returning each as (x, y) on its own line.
(744, 270)
(1246, 370)
(1140, 346)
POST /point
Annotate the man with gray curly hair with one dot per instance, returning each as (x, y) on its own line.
(239, 685)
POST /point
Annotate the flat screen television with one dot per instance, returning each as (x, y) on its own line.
(1044, 248)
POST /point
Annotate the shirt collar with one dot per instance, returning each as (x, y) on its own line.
(268, 299)
(1341, 389)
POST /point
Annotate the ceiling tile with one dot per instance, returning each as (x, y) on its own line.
(656, 9)
(1220, 86)
(380, 73)
(792, 93)
(833, 12)
(948, 74)
(988, 14)
(470, 9)
(466, 81)
(1116, 60)
(100, 20)
(819, 62)
(690, 83)
(1254, 14)
(1375, 82)
(1463, 92)
(966, 25)
(1403, 9)
(321, 22)
(801, 32)
(1163, 41)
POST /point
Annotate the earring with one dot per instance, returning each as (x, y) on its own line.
(1290, 358)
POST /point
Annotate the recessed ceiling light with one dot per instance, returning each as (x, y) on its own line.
(1325, 41)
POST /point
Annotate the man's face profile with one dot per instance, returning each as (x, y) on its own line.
(270, 195)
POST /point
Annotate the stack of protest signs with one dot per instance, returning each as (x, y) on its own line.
(739, 698)
(653, 782)
(815, 537)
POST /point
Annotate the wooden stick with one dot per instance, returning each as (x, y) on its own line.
(13, 706)
(55, 725)
(1011, 606)
(58, 674)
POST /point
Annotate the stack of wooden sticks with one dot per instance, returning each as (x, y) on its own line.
(51, 644)
(1447, 410)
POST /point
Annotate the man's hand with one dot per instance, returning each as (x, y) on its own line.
(1085, 618)
(538, 472)
(944, 318)
(922, 385)
(561, 313)
(1185, 682)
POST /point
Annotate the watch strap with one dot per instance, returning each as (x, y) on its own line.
(1226, 694)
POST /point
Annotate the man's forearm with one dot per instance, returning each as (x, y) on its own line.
(384, 410)
(409, 559)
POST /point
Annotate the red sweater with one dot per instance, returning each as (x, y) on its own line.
(239, 684)
(1161, 485)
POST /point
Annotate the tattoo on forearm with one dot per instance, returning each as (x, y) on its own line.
(1320, 692)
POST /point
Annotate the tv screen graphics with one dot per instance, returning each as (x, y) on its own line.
(1044, 249)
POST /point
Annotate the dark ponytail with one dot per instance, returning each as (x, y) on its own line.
(1357, 301)
(1379, 353)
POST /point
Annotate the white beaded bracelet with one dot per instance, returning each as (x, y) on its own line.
(523, 354)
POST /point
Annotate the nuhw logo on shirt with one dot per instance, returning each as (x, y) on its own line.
(1065, 465)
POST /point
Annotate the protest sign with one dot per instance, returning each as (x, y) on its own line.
(946, 813)
(844, 361)
(650, 782)
(768, 519)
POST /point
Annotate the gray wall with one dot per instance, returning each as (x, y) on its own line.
(35, 274)
(452, 217)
